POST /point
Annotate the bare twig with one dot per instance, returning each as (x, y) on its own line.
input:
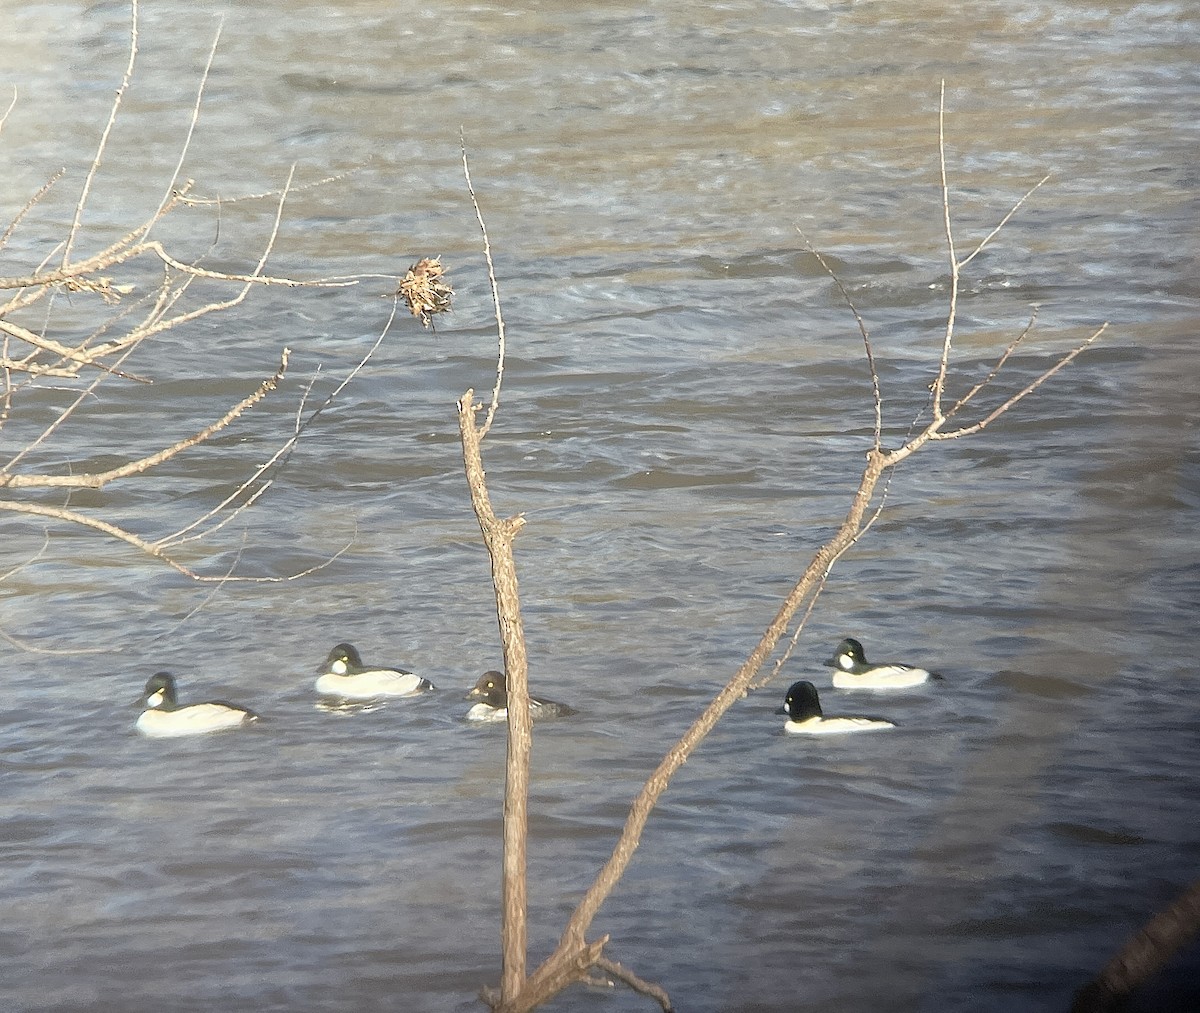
(12, 571)
(1003, 221)
(1012, 347)
(640, 985)
(27, 645)
(280, 457)
(491, 269)
(35, 648)
(60, 652)
(12, 104)
(108, 128)
(171, 194)
(498, 536)
(1025, 391)
(574, 955)
(121, 534)
(33, 349)
(78, 270)
(96, 480)
(939, 383)
(862, 329)
(5, 476)
(28, 206)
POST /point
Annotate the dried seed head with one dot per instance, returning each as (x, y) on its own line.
(425, 289)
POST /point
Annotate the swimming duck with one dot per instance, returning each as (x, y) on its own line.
(853, 671)
(165, 718)
(345, 675)
(492, 692)
(803, 708)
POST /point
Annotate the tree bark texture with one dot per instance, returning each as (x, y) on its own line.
(499, 535)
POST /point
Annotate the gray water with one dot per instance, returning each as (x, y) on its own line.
(685, 415)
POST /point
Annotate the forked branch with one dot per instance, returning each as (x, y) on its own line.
(498, 536)
(98, 479)
(574, 955)
(30, 351)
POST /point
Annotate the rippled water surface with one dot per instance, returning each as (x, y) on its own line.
(686, 412)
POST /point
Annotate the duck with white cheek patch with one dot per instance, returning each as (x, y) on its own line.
(851, 670)
(164, 717)
(345, 675)
(491, 690)
(805, 717)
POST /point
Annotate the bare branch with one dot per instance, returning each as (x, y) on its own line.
(38, 350)
(11, 106)
(29, 206)
(862, 329)
(172, 194)
(83, 520)
(487, 255)
(108, 128)
(276, 460)
(114, 257)
(816, 594)
(242, 198)
(1012, 347)
(574, 955)
(1143, 956)
(572, 943)
(498, 536)
(27, 562)
(1028, 389)
(96, 480)
(166, 634)
(53, 426)
(1003, 221)
(63, 652)
(37, 341)
(640, 985)
(939, 383)
(121, 534)
(104, 258)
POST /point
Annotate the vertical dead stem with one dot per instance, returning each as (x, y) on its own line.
(498, 536)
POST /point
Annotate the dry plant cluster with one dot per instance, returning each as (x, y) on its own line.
(425, 290)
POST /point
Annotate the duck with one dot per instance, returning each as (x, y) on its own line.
(853, 671)
(492, 691)
(344, 675)
(164, 717)
(803, 708)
